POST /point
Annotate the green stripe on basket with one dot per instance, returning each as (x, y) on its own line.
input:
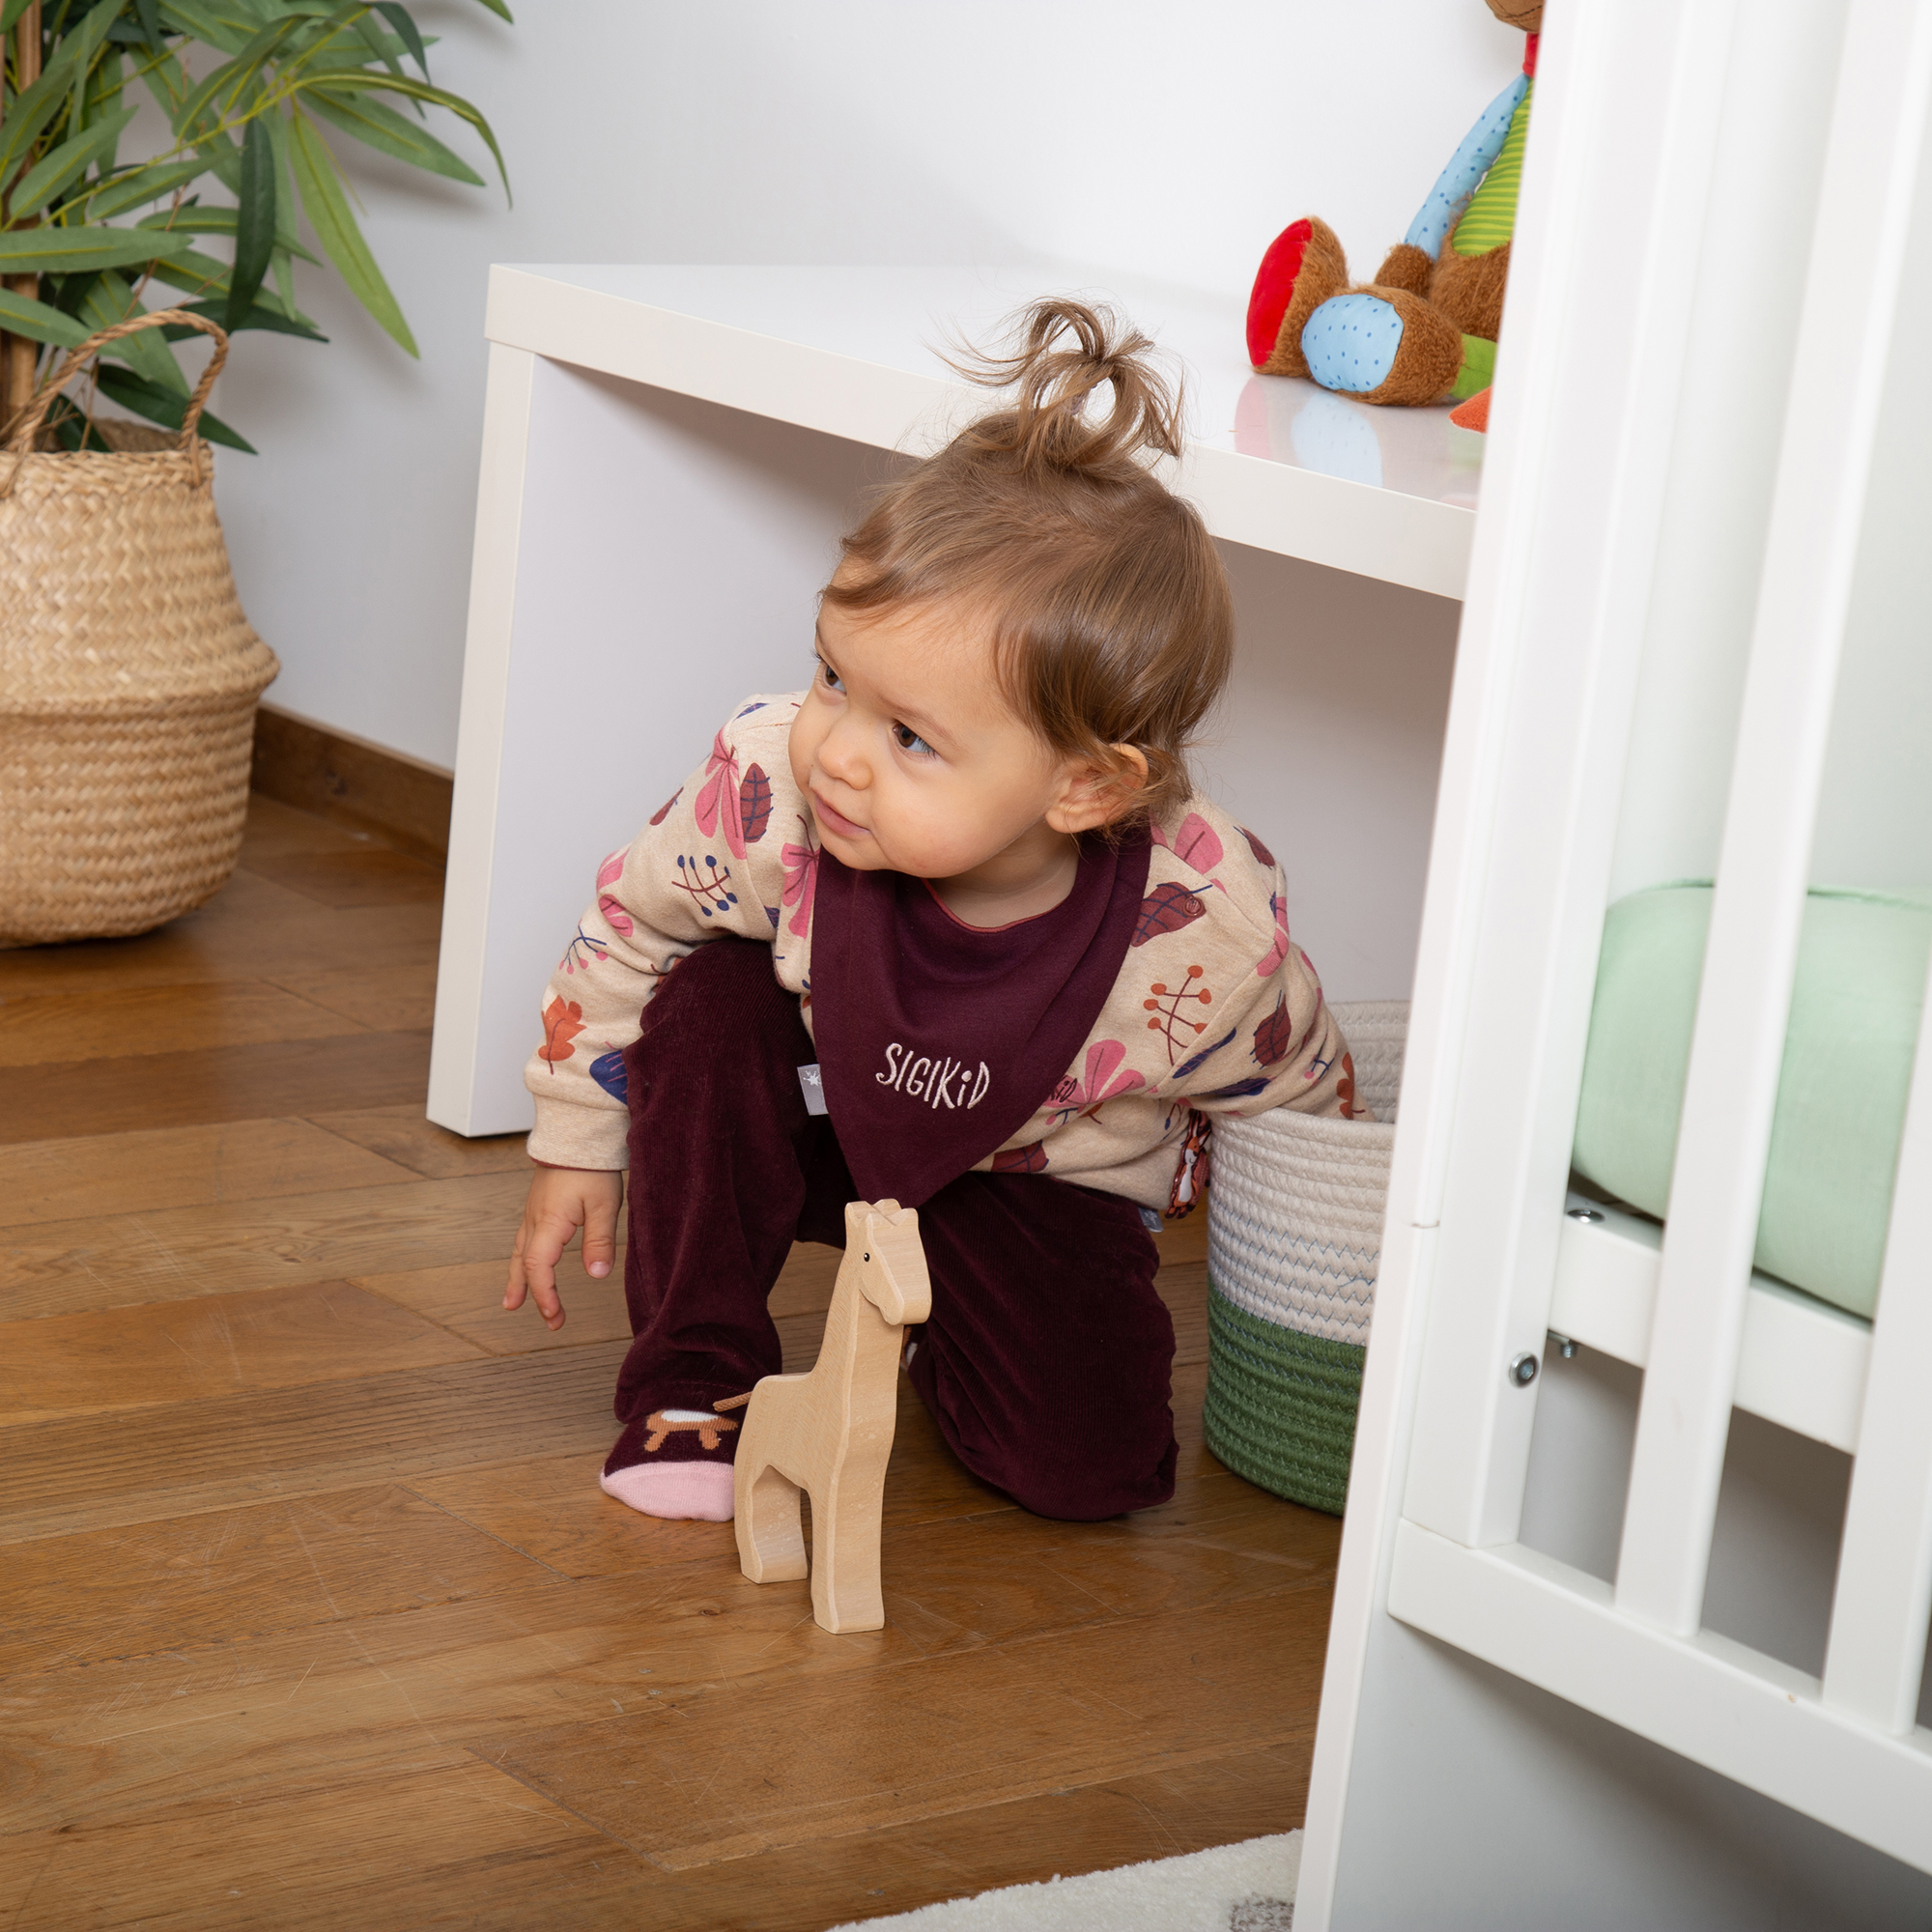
(1281, 1405)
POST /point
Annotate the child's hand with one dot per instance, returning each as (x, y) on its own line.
(562, 1199)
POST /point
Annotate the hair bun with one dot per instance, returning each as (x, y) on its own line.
(1047, 428)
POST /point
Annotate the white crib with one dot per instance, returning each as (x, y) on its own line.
(1696, 641)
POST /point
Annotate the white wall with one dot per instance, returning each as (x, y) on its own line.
(1172, 141)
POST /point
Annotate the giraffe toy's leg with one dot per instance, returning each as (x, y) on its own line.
(770, 1523)
(845, 1533)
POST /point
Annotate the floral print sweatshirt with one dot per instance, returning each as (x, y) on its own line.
(1214, 1010)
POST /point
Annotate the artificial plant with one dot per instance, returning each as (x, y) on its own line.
(253, 93)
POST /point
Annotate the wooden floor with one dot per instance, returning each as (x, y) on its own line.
(311, 1612)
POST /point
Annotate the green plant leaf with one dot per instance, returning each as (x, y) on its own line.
(386, 130)
(224, 29)
(355, 80)
(64, 165)
(376, 41)
(222, 158)
(55, 252)
(285, 282)
(111, 300)
(28, 117)
(197, 221)
(145, 182)
(406, 31)
(500, 10)
(104, 85)
(254, 222)
(22, 315)
(191, 270)
(223, 89)
(158, 406)
(11, 12)
(166, 81)
(150, 18)
(80, 44)
(261, 316)
(329, 214)
(69, 291)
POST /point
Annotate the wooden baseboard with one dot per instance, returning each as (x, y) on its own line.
(354, 782)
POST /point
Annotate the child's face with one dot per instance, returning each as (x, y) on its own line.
(914, 761)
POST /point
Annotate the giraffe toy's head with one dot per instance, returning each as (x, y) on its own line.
(892, 1263)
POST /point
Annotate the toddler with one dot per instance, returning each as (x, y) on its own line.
(946, 927)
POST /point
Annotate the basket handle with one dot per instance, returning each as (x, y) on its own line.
(34, 418)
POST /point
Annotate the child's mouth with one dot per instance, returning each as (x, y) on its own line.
(837, 821)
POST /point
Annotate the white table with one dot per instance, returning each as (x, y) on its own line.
(668, 455)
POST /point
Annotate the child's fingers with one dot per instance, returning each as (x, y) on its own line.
(600, 1237)
(549, 1236)
(514, 1288)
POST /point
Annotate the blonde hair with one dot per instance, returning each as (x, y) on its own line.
(1111, 618)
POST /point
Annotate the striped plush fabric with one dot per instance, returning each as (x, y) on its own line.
(1489, 220)
(1294, 1225)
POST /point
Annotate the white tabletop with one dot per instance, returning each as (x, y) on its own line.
(1273, 462)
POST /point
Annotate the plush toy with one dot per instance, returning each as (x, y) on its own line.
(1424, 329)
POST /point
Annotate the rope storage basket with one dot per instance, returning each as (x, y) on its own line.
(1295, 1230)
(128, 675)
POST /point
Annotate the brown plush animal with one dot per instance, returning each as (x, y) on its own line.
(1424, 329)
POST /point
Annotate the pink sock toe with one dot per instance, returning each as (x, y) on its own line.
(697, 1492)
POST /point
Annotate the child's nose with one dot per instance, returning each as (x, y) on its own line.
(843, 756)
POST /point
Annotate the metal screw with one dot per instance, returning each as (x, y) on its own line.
(1583, 1214)
(1523, 1371)
(1563, 1345)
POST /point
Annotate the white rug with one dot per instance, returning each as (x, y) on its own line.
(1245, 1887)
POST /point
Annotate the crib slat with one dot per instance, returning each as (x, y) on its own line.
(1872, 168)
(1876, 1655)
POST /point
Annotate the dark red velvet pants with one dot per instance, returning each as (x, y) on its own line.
(1047, 1357)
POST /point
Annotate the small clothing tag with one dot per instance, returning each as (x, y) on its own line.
(812, 1088)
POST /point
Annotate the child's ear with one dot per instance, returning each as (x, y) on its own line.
(1092, 792)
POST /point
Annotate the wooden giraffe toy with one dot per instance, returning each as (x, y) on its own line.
(830, 1432)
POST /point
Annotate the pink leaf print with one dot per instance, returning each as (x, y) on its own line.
(801, 874)
(608, 875)
(1278, 951)
(1197, 844)
(1100, 1082)
(717, 803)
(754, 802)
(1263, 856)
(662, 811)
(1166, 909)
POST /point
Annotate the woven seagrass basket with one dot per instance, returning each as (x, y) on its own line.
(128, 675)
(1295, 1230)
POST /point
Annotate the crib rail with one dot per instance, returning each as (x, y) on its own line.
(1883, 1601)
(1575, 597)
(1872, 175)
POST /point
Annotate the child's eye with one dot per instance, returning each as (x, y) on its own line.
(833, 681)
(909, 740)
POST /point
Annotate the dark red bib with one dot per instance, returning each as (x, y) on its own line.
(937, 1042)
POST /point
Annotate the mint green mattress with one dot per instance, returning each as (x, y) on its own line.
(1842, 1096)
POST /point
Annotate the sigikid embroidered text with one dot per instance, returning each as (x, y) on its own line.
(931, 1080)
